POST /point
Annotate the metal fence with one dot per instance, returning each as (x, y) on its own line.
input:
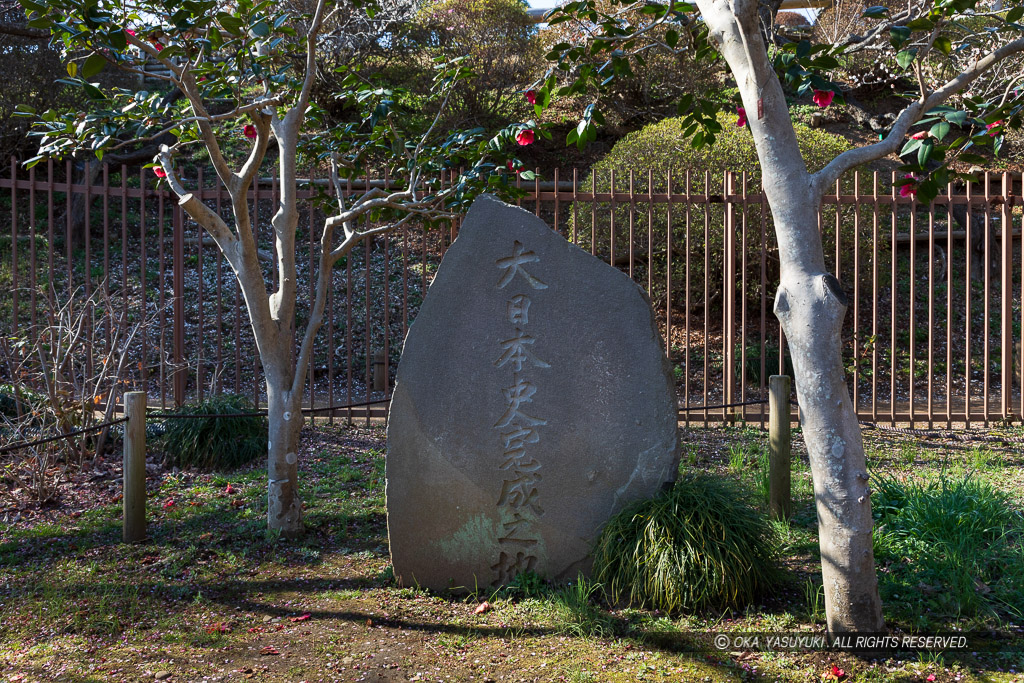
(933, 334)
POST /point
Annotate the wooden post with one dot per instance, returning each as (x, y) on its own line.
(134, 471)
(379, 378)
(779, 447)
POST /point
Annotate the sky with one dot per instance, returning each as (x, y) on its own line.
(546, 4)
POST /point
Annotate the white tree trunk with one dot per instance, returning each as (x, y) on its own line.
(810, 305)
(284, 416)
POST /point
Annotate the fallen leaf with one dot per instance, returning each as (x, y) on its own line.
(269, 650)
(302, 617)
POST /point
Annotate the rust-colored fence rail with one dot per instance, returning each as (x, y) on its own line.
(933, 334)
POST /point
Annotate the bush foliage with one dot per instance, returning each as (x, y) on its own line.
(700, 544)
(651, 155)
(213, 443)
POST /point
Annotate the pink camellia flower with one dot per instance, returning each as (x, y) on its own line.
(931, 678)
(910, 189)
(531, 96)
(991, 128)
(823, 98)
(160, 173)
(525, 137)
(250, 131)
(129, 32)
(919, 135)
(741, 117)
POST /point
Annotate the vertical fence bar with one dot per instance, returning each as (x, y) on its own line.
(52, 283)
(32, 249)
(124, 244)
(575, 204)
(14, 246)
(256, 240)
(913, 302)
(894, 284)
(874, 297)
(728, 292)
(858, 339)
(686, 294)
(611, 218)
(762, 379)
(143, 272)
(68, 260)
(162, 283)
(1006, 317)
(349, 357)
(178, 303)
(219, 271)
(987, 314)
(311, 379)
(668, 266)
(650, 236)
(200, 374)
(632, 219)
(707, 278)
(931, 311)
(949, 306)
(106, 254)
(967, 317)
(743, 295)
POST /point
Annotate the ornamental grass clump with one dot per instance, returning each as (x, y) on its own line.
(700, 544)
(215, 443)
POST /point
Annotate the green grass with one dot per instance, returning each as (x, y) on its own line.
(953, 544)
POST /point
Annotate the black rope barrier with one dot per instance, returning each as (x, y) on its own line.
(76, 432)
(724, 405)
(307, 411)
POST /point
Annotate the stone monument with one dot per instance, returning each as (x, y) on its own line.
(533, 401)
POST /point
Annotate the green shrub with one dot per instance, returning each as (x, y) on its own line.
(956, 545)
(700, 544)
(213, 443)
(661, 148)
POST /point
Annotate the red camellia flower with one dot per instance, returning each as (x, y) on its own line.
(991, 128)
(169, 504)
(511, 167)
(229, 489)
(250, 131)
(823, 98)
(910, 189)
(931, 678)
(160, 173)
(525, 137)
(129, 32)
(919, 136)
(158, 45)
(741, 119)
(531, 96)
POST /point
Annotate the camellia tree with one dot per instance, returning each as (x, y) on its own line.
(810, 302)
(234, 67)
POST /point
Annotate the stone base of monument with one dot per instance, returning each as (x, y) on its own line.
(533, 402)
